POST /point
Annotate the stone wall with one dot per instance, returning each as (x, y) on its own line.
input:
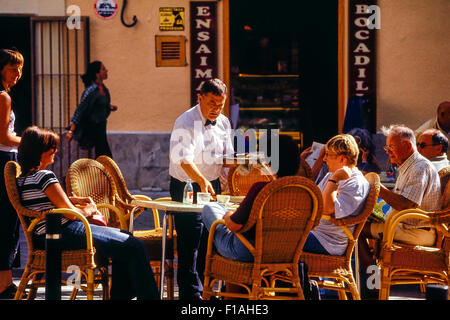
(143, 158)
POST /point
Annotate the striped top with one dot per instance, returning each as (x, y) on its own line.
(32, 194)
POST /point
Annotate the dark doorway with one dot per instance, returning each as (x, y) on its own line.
(16, 34)
(287, 39)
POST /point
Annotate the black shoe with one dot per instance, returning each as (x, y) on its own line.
(9, 292)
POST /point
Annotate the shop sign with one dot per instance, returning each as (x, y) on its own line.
(106, 9)
(364, 20)
(171, 19)
(203, 44)
(362, 32)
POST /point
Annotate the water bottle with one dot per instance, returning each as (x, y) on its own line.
(188, 193)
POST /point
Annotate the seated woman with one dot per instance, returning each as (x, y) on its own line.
(40, 190)
(226, 243)
(344, 190)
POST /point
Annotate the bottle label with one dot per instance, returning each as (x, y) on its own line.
(189, 197)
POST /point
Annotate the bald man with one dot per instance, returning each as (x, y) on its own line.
(441, 122)
(433, 145)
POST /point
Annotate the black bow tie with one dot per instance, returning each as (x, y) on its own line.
(209, 122)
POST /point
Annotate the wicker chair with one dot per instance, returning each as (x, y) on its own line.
(304, 169)
(405, 264)
(338, 268)
(35, 267)
(283, 213)
(87, 177)
(240, 184)
(153, 237)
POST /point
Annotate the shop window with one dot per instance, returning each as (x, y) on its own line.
(170, 51)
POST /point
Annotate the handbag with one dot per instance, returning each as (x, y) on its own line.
(98, 220)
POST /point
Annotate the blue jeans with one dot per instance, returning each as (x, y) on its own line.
(131, 272)
(226, 243)
(312, 245)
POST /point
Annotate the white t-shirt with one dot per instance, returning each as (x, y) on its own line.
(350, 201)
(12, 119)
(203, 145)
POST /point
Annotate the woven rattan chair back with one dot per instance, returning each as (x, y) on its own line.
(240, 183)
(284, 212)
(152, 238)
(89, 178)
(124, 197)
(338, 268)
(35, 267)
(304, 169)
(26, 216)
(360, 220)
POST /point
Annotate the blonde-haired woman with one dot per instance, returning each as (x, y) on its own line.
(344, 191)
(11, 64)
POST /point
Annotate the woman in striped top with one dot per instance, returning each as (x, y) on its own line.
(40, 190)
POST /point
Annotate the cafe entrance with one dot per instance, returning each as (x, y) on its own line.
(284, 67)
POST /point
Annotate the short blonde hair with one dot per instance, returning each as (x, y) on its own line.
(344, 144)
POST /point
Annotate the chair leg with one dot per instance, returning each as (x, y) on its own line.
(353, 288)
(90, 284)
(23, 283)
(385, 284)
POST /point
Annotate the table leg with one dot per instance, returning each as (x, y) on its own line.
(163, 255)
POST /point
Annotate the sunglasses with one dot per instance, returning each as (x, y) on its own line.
(423, 145)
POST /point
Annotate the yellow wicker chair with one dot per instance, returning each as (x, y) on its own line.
(87, 177)
(153, 237)
(239, 184)
(405, 264)
(338, 268)
(304, 169)
(35, 267)
(283, 213)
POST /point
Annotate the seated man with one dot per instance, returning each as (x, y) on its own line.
(433, 145)
(417, 186)
(441, 122)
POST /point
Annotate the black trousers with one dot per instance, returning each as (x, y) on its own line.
(192, 241)
(9, 221)
(97, 132)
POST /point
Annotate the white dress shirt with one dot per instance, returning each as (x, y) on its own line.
(203, 145)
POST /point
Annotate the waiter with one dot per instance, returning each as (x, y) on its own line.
(199, 139)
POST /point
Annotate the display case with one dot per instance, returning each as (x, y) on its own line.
(268, 102)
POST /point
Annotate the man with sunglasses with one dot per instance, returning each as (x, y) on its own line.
(440, 122)
(433, 145)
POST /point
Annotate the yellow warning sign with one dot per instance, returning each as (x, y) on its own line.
(171, 19)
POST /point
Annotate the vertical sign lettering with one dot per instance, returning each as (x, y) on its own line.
(203, 45)
(364, 18)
